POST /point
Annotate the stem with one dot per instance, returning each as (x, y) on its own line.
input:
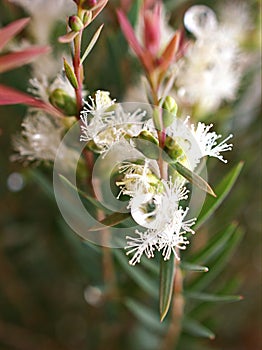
(172, 336)
(78, 69)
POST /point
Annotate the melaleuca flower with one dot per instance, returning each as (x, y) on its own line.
(144, 244)
(166, 239)
(196, 142)
(42, 88)
(235, 18)
(154, 209)
(138, 179)
(172, 236)
(40, 139)
(211, 70)
(106, 123)
(207, 141)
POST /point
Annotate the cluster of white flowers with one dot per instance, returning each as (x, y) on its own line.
(154, 203)
(212, 68)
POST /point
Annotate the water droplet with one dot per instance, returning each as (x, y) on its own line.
(200, 20)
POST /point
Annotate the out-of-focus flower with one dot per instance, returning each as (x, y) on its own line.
(154, 45)
(235, 17)
(49, 10)
(40, 139)
(42, 89)
(211, 70)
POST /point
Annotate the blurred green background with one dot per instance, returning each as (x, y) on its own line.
(47, 274)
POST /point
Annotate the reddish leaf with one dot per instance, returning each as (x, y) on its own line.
(8, 32)
(68, 37)
(98, 9)
(129, 34)
(170, 51)
(10, 96)
(17, 59)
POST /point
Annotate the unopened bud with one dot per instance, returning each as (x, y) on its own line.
(170, 111)
(75, 23)
(87, 17)
(172, 148)
(61, 100)
(89, 4)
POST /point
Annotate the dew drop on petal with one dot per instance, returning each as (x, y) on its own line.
(200, 20)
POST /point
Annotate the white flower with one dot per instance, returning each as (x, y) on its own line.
(138, 179)
(235, 18)
(106, 123)
(197, 142)
(155, 210)
(207, 141)
(39, 139)
(171, 237)
(166, 239)
(211, 70)
(41, 88)
(145, 243)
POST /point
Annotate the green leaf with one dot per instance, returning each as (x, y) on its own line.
(197, 329)
(91, 44)
(167, 275)
(218, 264)
(42, 181)
(193, 178)
(145, 315)
(134, 12)
(70, 74)
(111, 220)
(193, 267)
(222, 190)
(215, 245)
(137, 274)
(212, 297)
(90, 199)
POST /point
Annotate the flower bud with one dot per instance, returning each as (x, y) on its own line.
(170, 111)
(75, 23)
(64, 102)
(89, 4)
(173, 149)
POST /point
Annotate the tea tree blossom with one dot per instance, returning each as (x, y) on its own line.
(106, 123)
(39, 139)
(214, 59)
(166, 239)
(42, 88)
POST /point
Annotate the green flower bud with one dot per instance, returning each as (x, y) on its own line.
(61, 100)
(87, 17)
(170, 111)
(170, 105)
(146, 135)
(75, 23)
(172, 149)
